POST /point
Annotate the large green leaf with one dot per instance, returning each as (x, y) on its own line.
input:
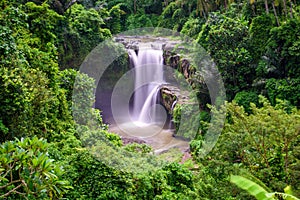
(282, 196)
(251, 187)
(288, 194)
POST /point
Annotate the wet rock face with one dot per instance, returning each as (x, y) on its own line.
(185, 68)
(172, 95)
(183, 65)
(168, 98)
(171, 60)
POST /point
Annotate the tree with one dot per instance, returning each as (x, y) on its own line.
(31, 101)
(227, 41)
(264, 142)
(114, 22)
(283, 49)
(84, 30)
(173, 16)
(260, 32)
(265, 3)
(192, 27)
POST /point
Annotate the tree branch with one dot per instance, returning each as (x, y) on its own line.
(13, 190)
(10, 183)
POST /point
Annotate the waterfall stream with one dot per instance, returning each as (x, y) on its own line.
(148, 64)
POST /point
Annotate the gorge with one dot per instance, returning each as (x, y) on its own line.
(147, 118)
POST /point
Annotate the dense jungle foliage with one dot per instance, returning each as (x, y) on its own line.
(256, 47)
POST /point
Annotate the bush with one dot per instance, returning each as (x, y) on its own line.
(192, 27)
(138, 21)
(245, 98)
(26, 171)
(28, 106)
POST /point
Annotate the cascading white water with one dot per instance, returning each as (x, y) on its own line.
(145, 118)
(148, 66)
(148, 112)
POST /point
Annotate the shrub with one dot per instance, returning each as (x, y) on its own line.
(26, 171)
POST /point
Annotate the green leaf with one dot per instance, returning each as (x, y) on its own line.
(282, 195)
(50, 175)
(251, 187)
(35, 162)
(4, 179)
(288, 190)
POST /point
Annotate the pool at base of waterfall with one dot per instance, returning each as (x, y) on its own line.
(159, 139)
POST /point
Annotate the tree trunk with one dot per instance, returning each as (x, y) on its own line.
(291, 9)
(134, 6)
(266, 6)
(70, 4)
(166, 3)
(284, 7)
(275, 13)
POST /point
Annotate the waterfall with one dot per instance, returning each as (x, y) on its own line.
(148, 112)
(172, 108)
(173, 104)
(148, 65)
